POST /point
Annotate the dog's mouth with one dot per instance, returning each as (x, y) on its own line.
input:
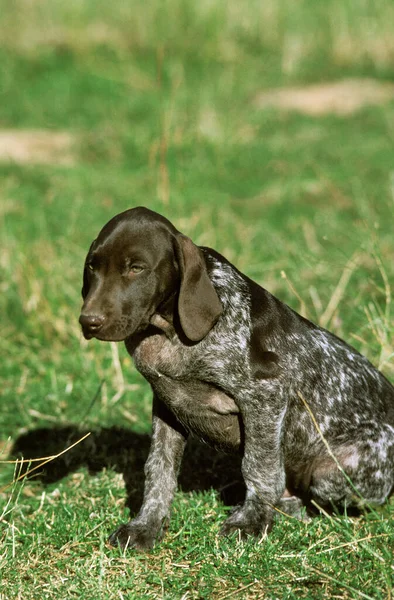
(87, 335)
(106, 329)
(107, 334)
(103, 336)
(101, 332)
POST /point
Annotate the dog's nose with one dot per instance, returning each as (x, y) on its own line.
(91, 324)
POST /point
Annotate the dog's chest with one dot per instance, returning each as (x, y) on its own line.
(201, 407)
(156, 355)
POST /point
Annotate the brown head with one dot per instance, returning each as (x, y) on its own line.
(136, 265)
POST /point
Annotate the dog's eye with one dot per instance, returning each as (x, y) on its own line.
(136, 269)
(90, 267)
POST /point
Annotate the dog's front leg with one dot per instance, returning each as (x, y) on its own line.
(262, 468)
(161, 476)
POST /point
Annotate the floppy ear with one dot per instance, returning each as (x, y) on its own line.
(199, 306)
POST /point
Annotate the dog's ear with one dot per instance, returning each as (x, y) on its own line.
(199, 306)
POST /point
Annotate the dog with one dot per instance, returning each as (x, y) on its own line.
(230, 363)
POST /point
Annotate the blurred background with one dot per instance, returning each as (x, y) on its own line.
(264, 129)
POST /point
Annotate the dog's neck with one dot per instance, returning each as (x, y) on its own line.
(163, 318)
(163, 324)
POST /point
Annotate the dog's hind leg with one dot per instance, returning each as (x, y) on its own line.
(362, 472)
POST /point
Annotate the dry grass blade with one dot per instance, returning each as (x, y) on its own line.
(355, 541)
(340, 583)
(302, 309)
(44, 460)
(385, 352)
(236, 592)
(350, 267)
(327, 445)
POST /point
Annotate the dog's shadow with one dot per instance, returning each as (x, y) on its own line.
(126, 451)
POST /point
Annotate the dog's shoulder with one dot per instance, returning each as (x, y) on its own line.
(268, 322)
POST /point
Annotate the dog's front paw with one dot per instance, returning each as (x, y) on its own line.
(247, 523)
(134, 535)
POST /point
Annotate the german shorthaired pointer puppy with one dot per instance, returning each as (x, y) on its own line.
(230, 363)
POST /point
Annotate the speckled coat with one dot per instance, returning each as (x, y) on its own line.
(313, 419)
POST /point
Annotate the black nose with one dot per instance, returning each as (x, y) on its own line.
(91, 324)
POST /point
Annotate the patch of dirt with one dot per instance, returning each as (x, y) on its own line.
(343, 97)
(37, 146)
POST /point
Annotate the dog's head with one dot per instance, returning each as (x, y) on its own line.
(136, 266)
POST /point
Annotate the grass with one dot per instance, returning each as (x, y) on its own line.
(159, 100)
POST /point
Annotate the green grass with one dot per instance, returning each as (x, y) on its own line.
(159, 98)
